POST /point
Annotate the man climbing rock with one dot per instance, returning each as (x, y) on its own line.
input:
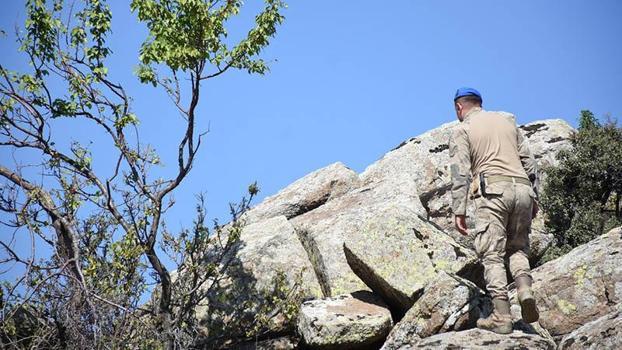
(489, 147)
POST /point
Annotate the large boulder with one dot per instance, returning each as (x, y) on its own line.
(580, 286)
(352, 321)
(306, 193)
(476, 339)
(546, 138)
(448, 303)
(268, 256)
(324, 230)
(423, 160)
(397, 254)
(603, 333)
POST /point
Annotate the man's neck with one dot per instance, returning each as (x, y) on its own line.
(471, 111)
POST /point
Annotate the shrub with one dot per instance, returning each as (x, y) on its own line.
(581, 196)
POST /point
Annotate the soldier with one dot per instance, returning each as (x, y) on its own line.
(489, 146)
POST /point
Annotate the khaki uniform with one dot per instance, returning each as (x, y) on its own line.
(490, 143)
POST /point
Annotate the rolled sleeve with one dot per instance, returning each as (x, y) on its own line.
(460, 167)
(527, 160)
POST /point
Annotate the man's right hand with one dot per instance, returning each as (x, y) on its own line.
(460, 221)
(535, 209)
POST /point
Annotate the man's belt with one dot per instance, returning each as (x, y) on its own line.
(490, 179)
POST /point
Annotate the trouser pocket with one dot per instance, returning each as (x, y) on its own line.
(489, 240)
(490, 247)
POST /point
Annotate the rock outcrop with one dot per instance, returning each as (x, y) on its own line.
(398, 254)
(352, 321)
(306, 193)
(336, 236)
(324, 230)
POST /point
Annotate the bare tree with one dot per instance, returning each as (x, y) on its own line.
(106, 234)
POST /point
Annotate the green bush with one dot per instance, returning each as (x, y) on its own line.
(581, 196)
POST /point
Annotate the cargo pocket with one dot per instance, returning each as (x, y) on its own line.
(482, 238)
(496, 189)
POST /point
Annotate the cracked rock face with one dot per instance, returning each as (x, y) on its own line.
(324, 230)
(481, 340)
(603, 333)
(546, 138)
(397, 254)
(423, 159)
(306, 193)
(580, 286)
(351, 321)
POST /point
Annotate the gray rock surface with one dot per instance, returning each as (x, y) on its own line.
(603, 333)
(423, 160)
(539, 243)
(397, 254)
(448, 303)
(324, 230)
(580, 286)
(352, 321)
(306, 193)
(475, 339)
(265, 250)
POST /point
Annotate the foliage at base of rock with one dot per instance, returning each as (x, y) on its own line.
(266, 278)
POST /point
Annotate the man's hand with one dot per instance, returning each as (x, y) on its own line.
(535, 209)
(460, 221)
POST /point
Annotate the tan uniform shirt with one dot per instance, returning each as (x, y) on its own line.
(487, 142)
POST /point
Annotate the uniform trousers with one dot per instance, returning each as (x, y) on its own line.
(502, 226)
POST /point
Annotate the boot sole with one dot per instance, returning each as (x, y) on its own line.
(498, 330)
(503, 330)
(529, 310)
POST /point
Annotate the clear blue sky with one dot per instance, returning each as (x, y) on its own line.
(352, 79)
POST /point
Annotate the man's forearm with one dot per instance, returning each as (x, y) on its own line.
(459, 196)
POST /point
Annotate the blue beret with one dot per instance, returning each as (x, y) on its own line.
(466, 91)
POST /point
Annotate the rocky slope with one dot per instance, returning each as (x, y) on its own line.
(378, 259)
